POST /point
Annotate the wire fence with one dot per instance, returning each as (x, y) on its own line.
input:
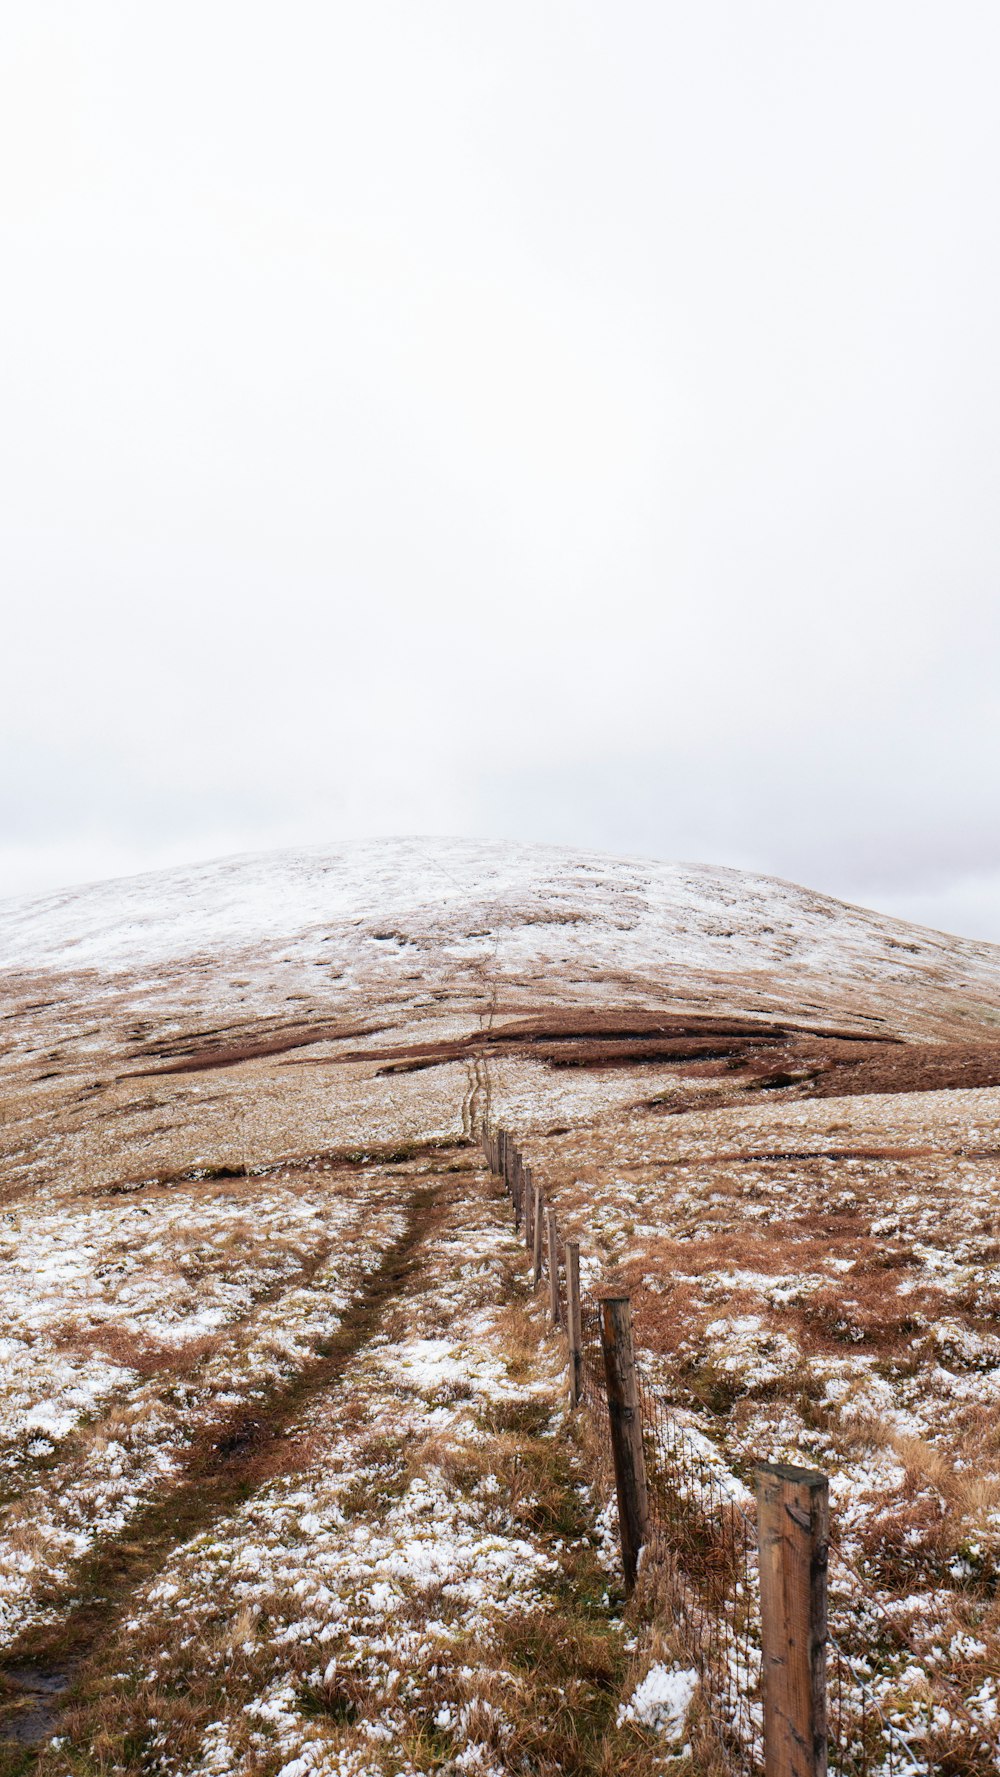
(700, 1568)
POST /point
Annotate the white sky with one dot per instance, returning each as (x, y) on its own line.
(570, 422)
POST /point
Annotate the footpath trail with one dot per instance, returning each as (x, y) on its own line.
(139, 1330)
(392, 1562)
(231, 1456)
(27, 1474)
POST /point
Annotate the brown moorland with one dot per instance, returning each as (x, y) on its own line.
(283, 1456)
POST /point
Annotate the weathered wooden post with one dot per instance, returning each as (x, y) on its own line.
(574, 1327)
(513, 1184)
(536, 1245)
(552, 1245)
(793, 1533)
(626, 1431)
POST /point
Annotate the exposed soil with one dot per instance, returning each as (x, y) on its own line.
(194, 1056)
(758, 1055)
(579, 1037)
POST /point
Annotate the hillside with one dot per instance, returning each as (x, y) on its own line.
(285, 1464)
(410, 918)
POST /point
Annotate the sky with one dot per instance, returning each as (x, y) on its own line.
(563, 422)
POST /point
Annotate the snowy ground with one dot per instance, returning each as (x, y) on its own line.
(276, 1421)
(422, 1579)
(366, 1602)
(130, 1326)
(820, 1283)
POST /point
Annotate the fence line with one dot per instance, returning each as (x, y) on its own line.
(690, 1540)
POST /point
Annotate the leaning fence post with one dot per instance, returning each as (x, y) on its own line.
(536, 1244)
(626, 1431)
(552, 1242)
(573, 1320)
(793, 1531)
(529, 1208)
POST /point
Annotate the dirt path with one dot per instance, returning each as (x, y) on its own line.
(70, 1450)
(534, 1663)
(231, 1458)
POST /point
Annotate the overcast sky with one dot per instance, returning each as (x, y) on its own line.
(559, 421)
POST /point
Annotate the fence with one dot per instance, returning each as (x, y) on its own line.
(741, 1578)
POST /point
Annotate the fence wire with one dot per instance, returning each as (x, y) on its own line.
(699, 1565)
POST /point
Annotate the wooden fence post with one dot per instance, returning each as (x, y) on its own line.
(793, 1531)
(527, 1206)
(573, 1322)
(510, 1174)
(536, 1243)
(552, 1244)
(626, 1431)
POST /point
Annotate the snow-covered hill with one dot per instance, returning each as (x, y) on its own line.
(396, 918)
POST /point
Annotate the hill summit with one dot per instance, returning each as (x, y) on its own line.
(408, 923)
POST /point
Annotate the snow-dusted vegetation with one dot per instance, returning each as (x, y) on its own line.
(131, 1326)
(379, 1605)
(288, 1478)
(818, 1284)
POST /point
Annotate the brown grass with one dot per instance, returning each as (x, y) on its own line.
(546, 1681)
